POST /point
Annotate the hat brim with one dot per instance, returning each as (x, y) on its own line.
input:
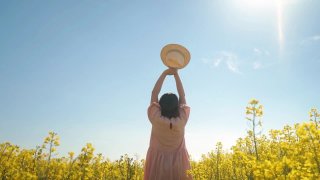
(175, 47)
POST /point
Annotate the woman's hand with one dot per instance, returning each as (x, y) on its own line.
(170, 71)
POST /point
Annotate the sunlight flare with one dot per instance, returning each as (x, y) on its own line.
(266, 7)
(280, 24)
(256, 4)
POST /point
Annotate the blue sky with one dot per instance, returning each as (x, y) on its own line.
(85, 69)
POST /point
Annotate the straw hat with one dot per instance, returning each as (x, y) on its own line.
(175, 56)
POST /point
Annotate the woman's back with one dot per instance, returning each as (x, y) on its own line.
(167, 156)
(162, 136)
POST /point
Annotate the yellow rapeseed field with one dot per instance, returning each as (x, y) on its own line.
(289, 153)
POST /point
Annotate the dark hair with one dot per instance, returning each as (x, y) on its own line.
(169, 104)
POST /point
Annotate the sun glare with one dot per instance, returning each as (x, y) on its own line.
(254, 7)
(257, 4)
(280, 23)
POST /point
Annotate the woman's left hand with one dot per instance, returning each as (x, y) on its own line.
(170, 71)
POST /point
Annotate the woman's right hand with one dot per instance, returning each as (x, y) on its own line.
(170, 71)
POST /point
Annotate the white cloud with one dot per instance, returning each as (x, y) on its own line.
(217, 62)
(224, 57)
(260, 58)
(311, 39)
(231, 61)
(261, 52)
(256, 50)
(232, 66)
(256, 65)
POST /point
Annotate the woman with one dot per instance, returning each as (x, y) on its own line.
(167, 156)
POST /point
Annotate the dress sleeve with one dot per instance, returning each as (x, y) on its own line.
(154, 111)
(184, 112)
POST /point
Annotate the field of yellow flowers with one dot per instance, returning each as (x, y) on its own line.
(289, 153)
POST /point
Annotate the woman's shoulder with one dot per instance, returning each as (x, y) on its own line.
(184, 111)
(153, 110)
(184, 108)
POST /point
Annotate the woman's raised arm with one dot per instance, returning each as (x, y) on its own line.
(182, 99)
(157, 87)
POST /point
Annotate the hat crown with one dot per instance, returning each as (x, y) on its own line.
(175, 56)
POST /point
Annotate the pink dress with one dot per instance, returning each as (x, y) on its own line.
(167, 156)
